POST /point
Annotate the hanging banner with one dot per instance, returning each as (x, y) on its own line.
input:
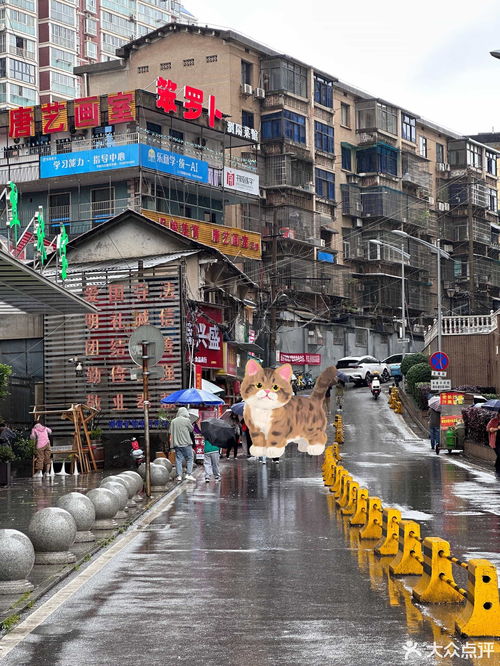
(300, 359)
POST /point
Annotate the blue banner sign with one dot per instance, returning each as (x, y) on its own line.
(173, 163)
(121, 157)
(86, 161)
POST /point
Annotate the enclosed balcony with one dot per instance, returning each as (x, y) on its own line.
(415, 171)
(375, 115)
(287, 170)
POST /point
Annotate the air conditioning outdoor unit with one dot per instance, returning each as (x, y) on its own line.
(443, 166)
(246, 89)
(359, 222)
(446, 206)
(430, 200)
(260, 93)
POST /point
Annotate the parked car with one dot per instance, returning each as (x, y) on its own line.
(360, 369)
(394, 363)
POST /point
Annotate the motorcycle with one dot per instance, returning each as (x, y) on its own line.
(375, 388)
(137, 455)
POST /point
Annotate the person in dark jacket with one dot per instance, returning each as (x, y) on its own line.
(434, 427)
(235, 422)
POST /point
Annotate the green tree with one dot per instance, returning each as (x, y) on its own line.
(5, 373)
(419, 373)
(412, 359)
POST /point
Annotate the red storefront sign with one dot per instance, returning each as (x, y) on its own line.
(300, 359)
(206, 337)
(197, 376)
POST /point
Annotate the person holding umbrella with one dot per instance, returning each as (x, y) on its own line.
(181, 438)
(493, 429)
(434, 421)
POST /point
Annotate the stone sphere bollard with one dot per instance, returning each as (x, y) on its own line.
(138, 483)
(121, 492)
(83, 512)
(165, 462)
(141, 470)
(106, 505)
(52, 532)
(173, 473)
(159, 478)
(120, 479)
(17, 557)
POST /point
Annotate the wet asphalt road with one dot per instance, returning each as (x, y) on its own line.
(261, 569)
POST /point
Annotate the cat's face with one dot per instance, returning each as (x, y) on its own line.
(266, 388)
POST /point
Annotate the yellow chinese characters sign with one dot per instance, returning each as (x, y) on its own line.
(229, 240)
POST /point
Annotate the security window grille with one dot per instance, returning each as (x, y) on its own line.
(493, 201)
(408, 129)
(211, 58)
(284, 125)
(440, 153)
(323, 91)
(325, 184)
(142, 69)
(323, 137)
(188, 62)
(165, 65)
(346, 158)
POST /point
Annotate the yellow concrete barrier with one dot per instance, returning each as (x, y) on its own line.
(339, 472)
(361, 510)
(339, 429)
(341, 489)
(481, 615)
(389, 543)
(373, 527)
(409, 560)
(434, 586)
(344, 497)
(350, 507)
(336, 452)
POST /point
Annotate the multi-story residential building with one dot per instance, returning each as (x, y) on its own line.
(41, 41)
(339, 169)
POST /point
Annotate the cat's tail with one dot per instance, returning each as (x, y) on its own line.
(324, 381)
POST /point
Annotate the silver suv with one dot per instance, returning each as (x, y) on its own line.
(360, 369)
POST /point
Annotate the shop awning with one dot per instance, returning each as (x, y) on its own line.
(24, 291)
(246, 346)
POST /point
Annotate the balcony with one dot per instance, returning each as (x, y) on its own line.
(467, 325)
(415, 171)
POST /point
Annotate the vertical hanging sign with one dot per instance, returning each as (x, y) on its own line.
(62, 242)
(13, 220)
(40, 235)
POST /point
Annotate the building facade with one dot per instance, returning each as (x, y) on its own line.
(41, 41)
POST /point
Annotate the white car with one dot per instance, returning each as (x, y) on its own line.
(360, 369)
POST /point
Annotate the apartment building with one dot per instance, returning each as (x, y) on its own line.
(41, 41)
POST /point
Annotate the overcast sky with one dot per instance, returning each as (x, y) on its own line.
(431, 56)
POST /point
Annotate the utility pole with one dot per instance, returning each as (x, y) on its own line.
(273, 290)
(470, 228)
(145, 395)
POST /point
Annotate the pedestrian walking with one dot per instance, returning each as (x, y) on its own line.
(434, 427)
(211, 461)
(40, 434)
(493, 429)
(235, 422)
(247, 438)
(7, 436)
(339, 394)
(182, 439)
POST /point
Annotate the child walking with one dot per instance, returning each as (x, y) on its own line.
(211, 461)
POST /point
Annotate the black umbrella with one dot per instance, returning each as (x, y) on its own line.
(218, 432)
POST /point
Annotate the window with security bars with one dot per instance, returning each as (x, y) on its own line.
(323, 137)
(325, 184)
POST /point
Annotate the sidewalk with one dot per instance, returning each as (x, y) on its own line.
(24, 497)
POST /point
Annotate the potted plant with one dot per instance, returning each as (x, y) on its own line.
(24, 450)
(6, 457)
(97, 447)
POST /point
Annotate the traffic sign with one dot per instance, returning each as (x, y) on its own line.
(154, 339)
(438, 373)
(439, 361)
(440, 384)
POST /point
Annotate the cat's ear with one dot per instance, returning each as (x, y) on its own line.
(252, 368)
(285, 372)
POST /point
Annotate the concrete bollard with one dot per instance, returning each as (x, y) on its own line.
(432, 588)
(138, 484)
(52, 532)
(121, 492)
(17, 557)
(481, 615)
(352, 500)
(163, 461)
(360, 515)
(341, 471)
(83, 512)
(344, 498)
(389, 543)
(342, 487)
(408, 561)
(373, 526)
(159, 478)
(125, 483)
(106, 507)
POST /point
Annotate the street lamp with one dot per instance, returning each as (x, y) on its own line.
(404, 255)
(439, 253)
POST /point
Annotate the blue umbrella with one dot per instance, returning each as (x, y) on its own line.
(192, 396)
(343, 377)
(492, 405)
(238, 408)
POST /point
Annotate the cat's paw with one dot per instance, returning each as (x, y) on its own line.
(258, 450)
(315, 449)
(303, 445)
(274, 452)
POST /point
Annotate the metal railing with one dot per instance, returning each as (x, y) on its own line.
(467, 325)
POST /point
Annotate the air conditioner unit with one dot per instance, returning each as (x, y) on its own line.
(443, 166)
(441, 205)
(260, 93)
(430, 200)
(246, 89)
(322, 242)
(308, 188)
(359, 222)
(446, 206)
(352, 178)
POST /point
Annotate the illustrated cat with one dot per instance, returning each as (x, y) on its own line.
(275, 417)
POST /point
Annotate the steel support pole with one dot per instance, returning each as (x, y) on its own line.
(145, 392)
(403, 300)
(439, 296)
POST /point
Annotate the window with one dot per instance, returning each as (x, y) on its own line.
(91, 26)
(63, 84)
(387, 118)
(408, 129)
(246, 72)
(165, 65)
(323, 91)
(117, 24)
(142, 69)
(153, 128)
(345, 114)
(346, 158)
(91, 49)
(379, 159)
(62, 13)
(440, 153)
(22, 47)
(285, 75)
(323, 137)
(110, 43)
(188, 62)
(346, 245)
(103, 203)
(422, 146)
(22, 71)
(63, 36)
(62, 59)
(493, 201)
(491, 163)
(59, 208)
(91, 6)
(247, 119)
(22, 22)
(152, 16)
(325, 184)
(473, 155)
(29, 5)
(211, 58)
(284, 125)
(374, 115)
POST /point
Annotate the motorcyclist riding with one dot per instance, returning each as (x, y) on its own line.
(375, 387)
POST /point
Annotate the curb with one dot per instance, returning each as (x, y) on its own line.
(26, 601)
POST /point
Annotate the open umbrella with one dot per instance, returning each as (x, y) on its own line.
(435, 403)
(192, 396)
(218, 432)
(238, 408)
(492, 405)
(211, 387)
(343, 377)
